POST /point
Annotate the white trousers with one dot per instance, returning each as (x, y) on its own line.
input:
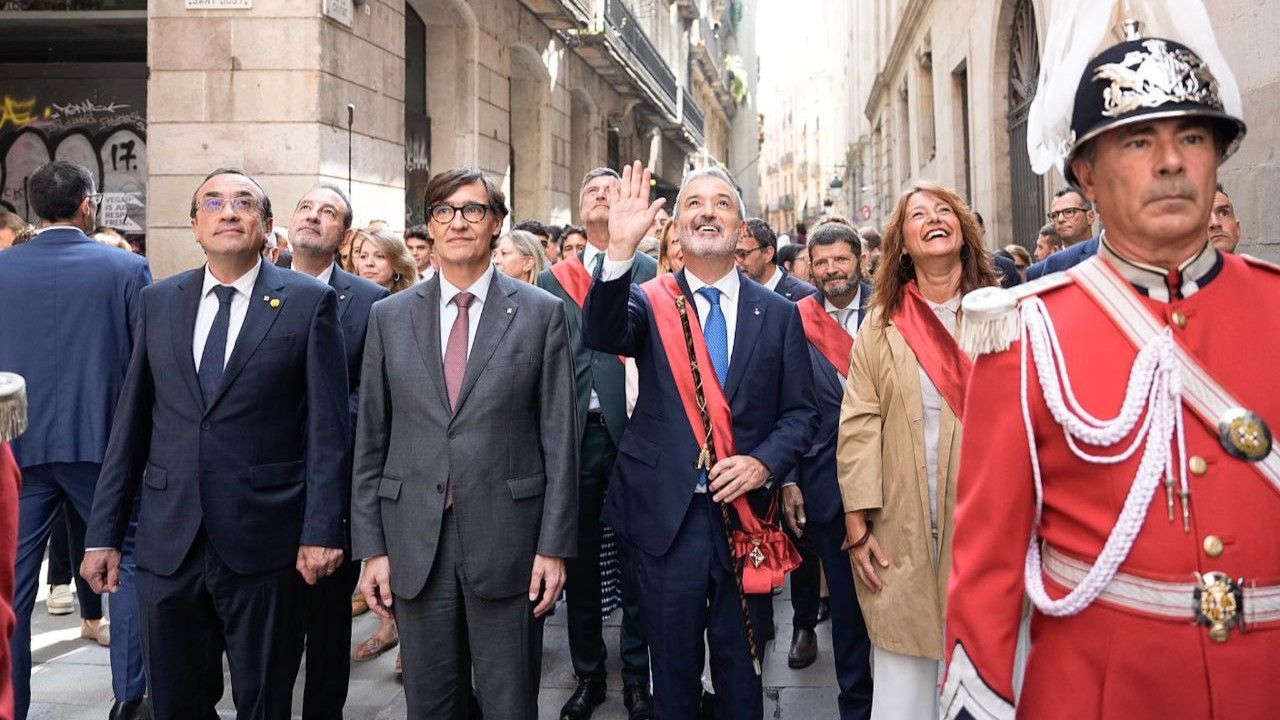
(906, 687)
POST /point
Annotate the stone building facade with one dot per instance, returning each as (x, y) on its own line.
(380, 94)
(941, 90)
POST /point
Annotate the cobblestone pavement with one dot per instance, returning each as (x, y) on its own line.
(71, 679)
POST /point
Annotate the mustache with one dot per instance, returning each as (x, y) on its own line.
(1178, 188)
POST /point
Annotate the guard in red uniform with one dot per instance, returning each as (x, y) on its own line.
(13, 421)
(1124, 478)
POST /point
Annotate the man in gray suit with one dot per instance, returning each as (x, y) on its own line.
(464, 496)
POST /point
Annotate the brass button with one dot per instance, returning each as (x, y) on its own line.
(1179, 318)
(1198, 465)
(1213, 546)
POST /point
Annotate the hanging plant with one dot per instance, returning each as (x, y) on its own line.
(737, 79)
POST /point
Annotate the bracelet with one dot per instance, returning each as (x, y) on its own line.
(865, 536)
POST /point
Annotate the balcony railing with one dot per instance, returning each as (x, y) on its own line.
(634, 38)
(706, 46)
(693, 115)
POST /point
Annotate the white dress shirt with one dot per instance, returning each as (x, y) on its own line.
(449, 311)
(947, 313)
(589, 254)
(427, 274)
(208, 310)
(774, 279)
(729, 285)
(851, 322)
(326, 274)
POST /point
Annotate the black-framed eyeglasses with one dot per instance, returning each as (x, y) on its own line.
(744, 254)
(95, 198)
(1067, 213)
(471, 212)
(241, 205)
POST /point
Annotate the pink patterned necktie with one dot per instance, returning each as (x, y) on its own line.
(455, 352)
(455, 364)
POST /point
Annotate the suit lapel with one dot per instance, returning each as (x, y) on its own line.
(864, 302)
(257, 322)
(341, 281)
(425, 317)
(495, 317)
(750, 320)
(182, 323)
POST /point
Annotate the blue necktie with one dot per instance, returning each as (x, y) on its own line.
(213, 359)
(717, 334)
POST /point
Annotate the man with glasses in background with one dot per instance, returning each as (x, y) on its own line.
(756, 256)
(67, 308)
(233, 428)
(1072, 217)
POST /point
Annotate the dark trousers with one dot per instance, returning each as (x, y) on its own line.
(45, 488)
(190, 618)
(806, 584)
(66, 552)
(582, 586)
(851, 647)
(329, 644)
(686, 594)
(449, 637)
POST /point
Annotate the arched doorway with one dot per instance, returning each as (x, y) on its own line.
(530, 136)
(1026, 187)
(583, 134)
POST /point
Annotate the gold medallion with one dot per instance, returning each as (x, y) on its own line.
(1217, 604)
(1244, 434)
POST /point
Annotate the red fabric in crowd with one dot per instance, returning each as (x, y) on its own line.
(935, 348)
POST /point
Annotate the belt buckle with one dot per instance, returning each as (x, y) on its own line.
(1219, 604)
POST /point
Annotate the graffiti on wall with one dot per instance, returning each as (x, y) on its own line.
(97, 123)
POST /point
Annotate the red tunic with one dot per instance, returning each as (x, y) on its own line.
(1105, 662)
(10, 480)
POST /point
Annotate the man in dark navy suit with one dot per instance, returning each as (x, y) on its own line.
(1072, 216)
(1065, 259)
(67, 309)
(756, 255)
(234, 429)
(811, 501)
(659, 503)
(315, 231)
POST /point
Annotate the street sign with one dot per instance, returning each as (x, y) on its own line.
(344, 11)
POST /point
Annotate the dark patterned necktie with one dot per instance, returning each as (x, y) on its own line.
(213, 359)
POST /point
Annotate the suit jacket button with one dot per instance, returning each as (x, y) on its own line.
(205, 425)
(452, 434)
(439, 487)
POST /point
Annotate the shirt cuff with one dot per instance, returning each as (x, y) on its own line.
(614, 269)
(100, 548)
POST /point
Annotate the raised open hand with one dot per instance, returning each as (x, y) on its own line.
(630, 212)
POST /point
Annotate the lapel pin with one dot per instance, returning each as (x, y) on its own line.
(342, 297)
(509, 311)
(266, 298)
(757, 312)
(275, 302)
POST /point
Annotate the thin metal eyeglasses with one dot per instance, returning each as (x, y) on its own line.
(471, 212)
(240, 205)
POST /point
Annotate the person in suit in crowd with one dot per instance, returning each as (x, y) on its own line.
(464, 501)
(659, 503)
(573, 241)
(811, 501)
(418, 240)
(233, 429)
(68, 308)
(1072, 216)
(319, 221)
(1224, 225)
(601, 400)
(756, 255)
(1047, 242)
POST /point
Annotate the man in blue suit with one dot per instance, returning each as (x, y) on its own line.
(1072, 216)
(234, 429)
(319, 221)
(811, 501)
(659, 503)
(67, 309)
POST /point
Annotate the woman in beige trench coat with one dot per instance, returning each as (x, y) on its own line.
(898, 451)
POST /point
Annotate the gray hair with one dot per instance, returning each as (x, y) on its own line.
(709, 171)
(598, 172)
(1050, 231)
(527, 244)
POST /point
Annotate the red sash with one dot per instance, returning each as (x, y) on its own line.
(766, 569)
(935, 349)
(827, 335)
(574, 278)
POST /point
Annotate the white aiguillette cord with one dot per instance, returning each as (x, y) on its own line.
(1152, 404)
(13, 406)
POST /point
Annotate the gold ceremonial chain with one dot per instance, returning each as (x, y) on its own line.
(706, 458)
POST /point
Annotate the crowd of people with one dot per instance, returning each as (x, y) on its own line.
(666, 412)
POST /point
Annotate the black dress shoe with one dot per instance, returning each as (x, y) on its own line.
(584, 700)
(804, 649)
(638, 702)
(139, 709)
(824, 610)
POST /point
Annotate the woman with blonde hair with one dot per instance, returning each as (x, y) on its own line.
(519, 254)
(384, 259)
(899, 441)
(670, 256)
